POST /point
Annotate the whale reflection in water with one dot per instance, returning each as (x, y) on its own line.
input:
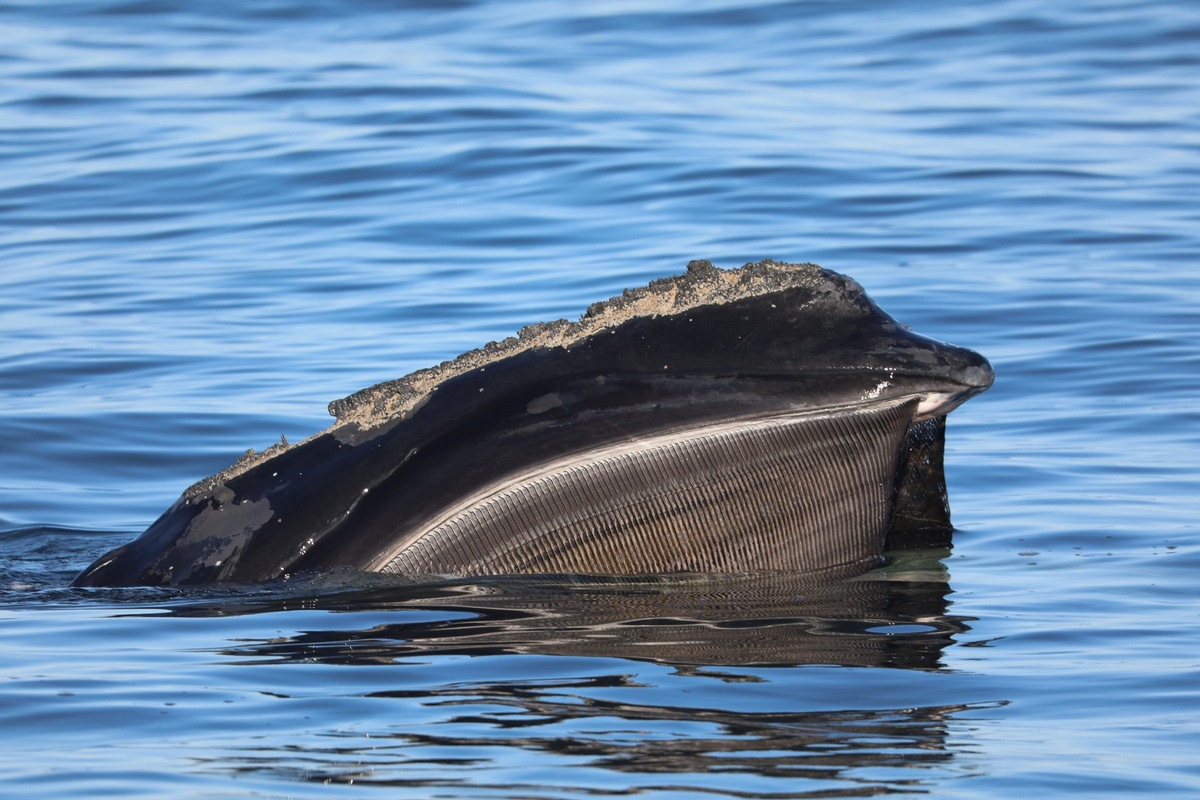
(891, 617)
(466, 675)
(723, 421)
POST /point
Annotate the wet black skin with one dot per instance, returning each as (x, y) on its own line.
(340, 498)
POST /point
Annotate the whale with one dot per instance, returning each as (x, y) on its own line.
(769, 418)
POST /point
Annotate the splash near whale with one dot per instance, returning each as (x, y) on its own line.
(768, 418)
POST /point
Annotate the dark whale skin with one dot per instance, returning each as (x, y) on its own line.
(509, 437)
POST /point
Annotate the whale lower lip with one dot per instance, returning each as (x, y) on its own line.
(939, 404)
(723, 421)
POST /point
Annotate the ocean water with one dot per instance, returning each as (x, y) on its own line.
(217, 217)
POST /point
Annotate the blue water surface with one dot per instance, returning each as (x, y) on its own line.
(217, 217)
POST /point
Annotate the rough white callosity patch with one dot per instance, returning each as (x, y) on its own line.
(702, 285)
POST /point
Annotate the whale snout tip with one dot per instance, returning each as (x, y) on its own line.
(979, 376)
(972, 376)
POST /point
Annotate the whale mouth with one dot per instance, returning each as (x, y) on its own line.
(965, 384)
(939, 404)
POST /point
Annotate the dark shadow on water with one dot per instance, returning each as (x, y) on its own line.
(850, 628)
(894, 617)
(728, 630)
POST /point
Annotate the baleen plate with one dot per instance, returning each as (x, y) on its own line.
(800, 493)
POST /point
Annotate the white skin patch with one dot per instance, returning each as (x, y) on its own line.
(874, 394)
